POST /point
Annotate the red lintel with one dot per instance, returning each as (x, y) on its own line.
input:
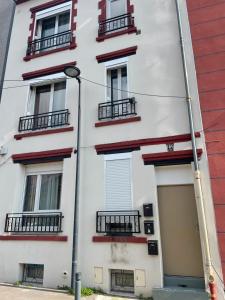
(119, 239)
(134, 144)
(47, 71)
(44, 238)
(43, 156)
(43, 132)
(116, 54)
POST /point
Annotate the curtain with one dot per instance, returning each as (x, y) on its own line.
(50, 191)
(64, 20)
(30, 193)
(59, 96)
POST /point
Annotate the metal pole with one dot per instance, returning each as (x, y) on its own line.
(74, 276)
(197, 174)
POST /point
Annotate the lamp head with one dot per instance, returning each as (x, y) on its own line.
(72, 71)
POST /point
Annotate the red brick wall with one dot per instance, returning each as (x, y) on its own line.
(207, 21)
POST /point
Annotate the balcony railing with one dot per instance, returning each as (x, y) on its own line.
(116, 109)
(34, 222)
(118, 222)
(45, 120)
(50, 42)
(117, 23)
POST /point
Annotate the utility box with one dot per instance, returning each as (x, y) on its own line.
(153, 248)
(149, 227)
(148, 210)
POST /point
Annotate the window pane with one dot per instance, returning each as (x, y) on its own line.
(59, 96)
(30, 193)
(42, 99)
(50, 191)
(117, 8)
(64, 20)
(114, 84)
(48, 27)
(124, 93)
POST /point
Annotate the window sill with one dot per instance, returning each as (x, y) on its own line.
(70, 47)
(119, 239)
(43, 238)
(118, 121)
(20, 136)
(103, 37)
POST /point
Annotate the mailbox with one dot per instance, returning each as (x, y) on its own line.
(148, 210)
(153, 248)
(149, 227)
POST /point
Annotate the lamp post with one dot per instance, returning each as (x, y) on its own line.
(74, 72)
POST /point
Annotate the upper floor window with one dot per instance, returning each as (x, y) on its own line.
(52, 29)
(46, 107)
(117, 83)
(116, 8)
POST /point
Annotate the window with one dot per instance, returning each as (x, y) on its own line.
(116, 8)
(42, 192)
(117, 83)
(46, 107)
(118, 194)
(33, 273)
(122, 281)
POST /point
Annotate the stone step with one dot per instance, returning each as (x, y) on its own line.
(179, 294)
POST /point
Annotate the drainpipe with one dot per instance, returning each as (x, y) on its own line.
(7, 48)
(197, 173)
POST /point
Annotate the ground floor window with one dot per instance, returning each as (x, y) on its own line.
(122, 281)
(33, 273)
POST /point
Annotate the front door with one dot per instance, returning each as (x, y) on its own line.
(180, 239)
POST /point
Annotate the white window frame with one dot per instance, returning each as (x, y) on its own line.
(41, 81)
(50, 12)
(109, 8)
(119, 156)
(116, 64)
(39, 171)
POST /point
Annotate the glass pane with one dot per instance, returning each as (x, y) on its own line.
(114, 85)
(117, 8)
(48, 27)
(124, 93)
(50, 191)
(42, 99)
(59, 96)
(30, 193)
(64, 20)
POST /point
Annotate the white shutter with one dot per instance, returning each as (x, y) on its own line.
(117, 8)
(118, 184)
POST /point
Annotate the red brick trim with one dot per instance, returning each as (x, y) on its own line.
(116, 54)
(116, 122)
(70, 47)
(134, 144)
(43, 238)
(119, 239)
(20, 136)
(43, 156)
(47, 71)
(32, 26)
(167, 158)
(102, 6)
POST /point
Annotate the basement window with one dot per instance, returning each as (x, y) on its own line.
(33, 273)
(122, 281)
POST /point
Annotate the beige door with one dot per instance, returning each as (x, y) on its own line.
(180, 238)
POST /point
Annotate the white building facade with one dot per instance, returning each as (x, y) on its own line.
(139, 223)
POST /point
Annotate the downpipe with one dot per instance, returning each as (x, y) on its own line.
(197, 173)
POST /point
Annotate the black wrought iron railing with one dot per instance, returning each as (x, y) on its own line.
(52, 41)
(116, 23)
(116, 109)
(34, 222)
(46, 120)
(118, 222)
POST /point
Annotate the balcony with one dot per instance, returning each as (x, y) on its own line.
(54, 41)
(34, 222)
(46, 120)
(117, 109)
(125, 21)
(118, 222)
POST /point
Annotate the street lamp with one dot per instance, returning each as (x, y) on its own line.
(74, 72)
